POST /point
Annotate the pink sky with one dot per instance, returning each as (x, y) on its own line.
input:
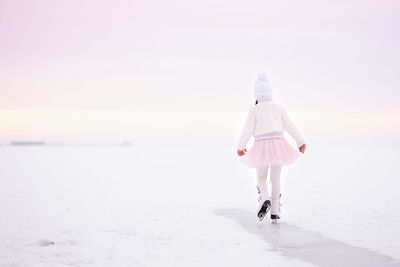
(322, 56)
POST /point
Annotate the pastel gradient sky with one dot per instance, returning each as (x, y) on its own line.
(125, 69)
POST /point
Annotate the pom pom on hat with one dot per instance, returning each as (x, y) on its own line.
(262, 88)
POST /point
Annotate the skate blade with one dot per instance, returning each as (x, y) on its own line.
(262, 215)
(275, 219)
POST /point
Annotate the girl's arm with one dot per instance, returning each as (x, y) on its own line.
(247, 131)
(292, 130)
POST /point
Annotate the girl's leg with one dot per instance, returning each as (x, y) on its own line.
(262, 174)
(275, 177)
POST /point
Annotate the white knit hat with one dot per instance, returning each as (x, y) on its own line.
(262, 88)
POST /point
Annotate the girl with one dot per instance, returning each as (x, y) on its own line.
(267, 121)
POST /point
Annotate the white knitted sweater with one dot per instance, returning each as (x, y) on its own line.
(268, 117)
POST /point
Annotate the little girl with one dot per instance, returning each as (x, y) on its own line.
(267, 121)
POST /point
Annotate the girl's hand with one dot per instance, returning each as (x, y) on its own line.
(302, 149)
(241, 152)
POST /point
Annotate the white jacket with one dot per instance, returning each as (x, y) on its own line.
(268, 117)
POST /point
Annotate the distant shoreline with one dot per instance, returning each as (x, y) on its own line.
(43, 143)
(27, 143)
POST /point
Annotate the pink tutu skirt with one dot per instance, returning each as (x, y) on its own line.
(270, 152)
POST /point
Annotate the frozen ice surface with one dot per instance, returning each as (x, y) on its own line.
(193, 204)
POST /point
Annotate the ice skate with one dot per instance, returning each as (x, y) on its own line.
(275, 209)
(263, 209)
(274, 218)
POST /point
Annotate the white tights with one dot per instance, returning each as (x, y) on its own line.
(275, 177)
